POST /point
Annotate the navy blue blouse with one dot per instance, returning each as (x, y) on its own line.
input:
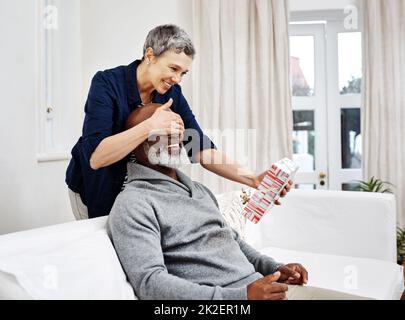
(112, 97)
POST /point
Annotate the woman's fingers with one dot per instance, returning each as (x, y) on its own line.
(174, 125)
(177, 119)
(163, 118)
(176, 132)
(167, 105)
(286, 189)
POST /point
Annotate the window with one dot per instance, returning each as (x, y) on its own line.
(304, 139)
(350, 62)
(302, 65)
(326, 78)
(351, 138)
(58, 83)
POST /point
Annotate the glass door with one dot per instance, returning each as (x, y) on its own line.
(308, 81)
(326, 74)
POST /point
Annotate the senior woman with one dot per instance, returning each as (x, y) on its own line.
(97, 169)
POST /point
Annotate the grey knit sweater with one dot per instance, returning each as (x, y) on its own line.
(174, 244)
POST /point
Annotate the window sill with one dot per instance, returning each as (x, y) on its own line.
(52, 157)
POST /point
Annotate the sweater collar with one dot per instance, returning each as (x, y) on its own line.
(137, 171)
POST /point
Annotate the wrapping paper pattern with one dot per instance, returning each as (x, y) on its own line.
(270, 189)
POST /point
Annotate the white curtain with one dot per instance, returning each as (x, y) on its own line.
(384, 95)
(241, 82)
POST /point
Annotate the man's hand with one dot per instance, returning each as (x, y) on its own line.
(293, 273)
(287, 188)
(267, 288)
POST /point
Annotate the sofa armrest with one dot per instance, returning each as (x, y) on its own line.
(354, 224)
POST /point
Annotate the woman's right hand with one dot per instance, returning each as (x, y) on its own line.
(166, 122)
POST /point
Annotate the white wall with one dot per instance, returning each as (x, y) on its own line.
(113, 32)
(101, 34)
(309, 5)
(32, 194)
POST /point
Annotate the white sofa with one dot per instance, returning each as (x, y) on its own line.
(346, 240)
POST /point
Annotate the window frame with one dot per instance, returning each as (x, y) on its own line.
(314, 103)
(57, 84)
(334, 102)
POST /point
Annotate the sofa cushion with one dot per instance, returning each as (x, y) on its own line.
(231, 207)
(369, 278)
(70, 261)
(10, 289)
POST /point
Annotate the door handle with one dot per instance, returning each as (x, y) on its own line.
(322, 176)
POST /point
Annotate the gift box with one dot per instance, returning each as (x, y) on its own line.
(270, 189)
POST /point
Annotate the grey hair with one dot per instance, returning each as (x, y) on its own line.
(169, 37)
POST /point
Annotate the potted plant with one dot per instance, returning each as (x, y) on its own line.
(401, 246)
(374, 185)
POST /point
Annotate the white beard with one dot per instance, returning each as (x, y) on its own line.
(164, 158)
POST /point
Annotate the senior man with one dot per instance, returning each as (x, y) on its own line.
(173, 242)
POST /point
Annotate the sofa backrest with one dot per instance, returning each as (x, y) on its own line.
(356, 224)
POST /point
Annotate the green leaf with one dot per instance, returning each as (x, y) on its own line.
(374, 185)
(400, 244)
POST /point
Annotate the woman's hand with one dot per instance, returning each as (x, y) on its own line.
(258, 179)
(166, 122)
